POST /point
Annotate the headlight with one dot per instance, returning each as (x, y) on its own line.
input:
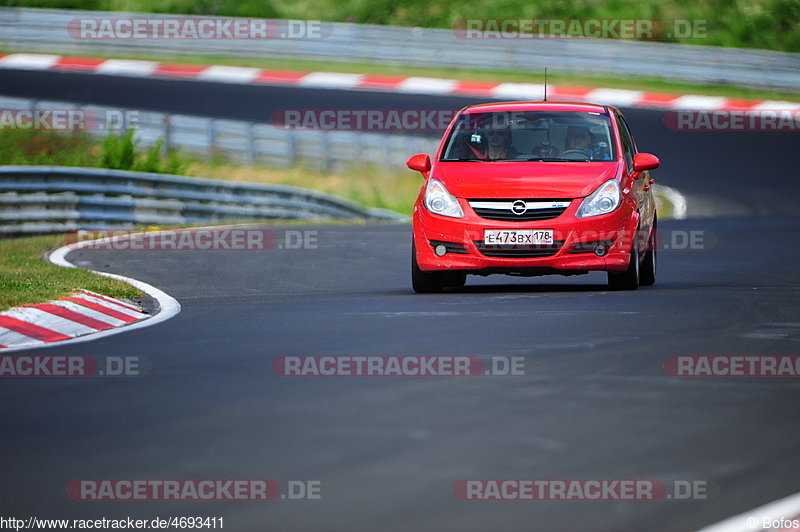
(439, 201)
(602, 201)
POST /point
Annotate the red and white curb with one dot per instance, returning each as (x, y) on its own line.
(82, 312)
(80, 316)
(405, 85)
(777, 516)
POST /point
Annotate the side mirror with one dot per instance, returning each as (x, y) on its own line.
(645, 161)
(419, 162)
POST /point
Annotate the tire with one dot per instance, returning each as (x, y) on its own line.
(629, 279)
(424, 282)
(647, 271)
(455, 279)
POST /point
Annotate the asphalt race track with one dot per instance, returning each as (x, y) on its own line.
(595, 402)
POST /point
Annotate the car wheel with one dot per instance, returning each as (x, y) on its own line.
(629, 279)
(647, 275)
(424, 282)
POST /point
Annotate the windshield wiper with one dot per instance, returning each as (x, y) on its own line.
(520, 159)
(479, 160)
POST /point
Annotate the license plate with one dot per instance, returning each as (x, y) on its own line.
(517, 237)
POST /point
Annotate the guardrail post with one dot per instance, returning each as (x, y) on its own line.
(291, 148)
(251, 144)
(76, 131)
(124, 124)
(211, 131)
(326, 153)
(391, 145)
(360, 147)
(167, 134)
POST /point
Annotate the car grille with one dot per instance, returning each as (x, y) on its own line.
(519, 252)
(535, 209)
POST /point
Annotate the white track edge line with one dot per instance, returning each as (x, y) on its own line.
(789, 507)
(677, 200)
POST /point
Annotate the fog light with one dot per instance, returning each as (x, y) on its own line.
(600, 250)
(440, 250)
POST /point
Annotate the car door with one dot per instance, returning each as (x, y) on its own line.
(640, 188)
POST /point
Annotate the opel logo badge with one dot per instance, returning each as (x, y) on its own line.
(519, 207)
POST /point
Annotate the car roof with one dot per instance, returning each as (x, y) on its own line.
(537, 106)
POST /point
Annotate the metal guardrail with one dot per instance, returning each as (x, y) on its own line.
(47, 199)
(46, 31)
(250, 142)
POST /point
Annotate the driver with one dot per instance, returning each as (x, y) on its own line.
(579, 139)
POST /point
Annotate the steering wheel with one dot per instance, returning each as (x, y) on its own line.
(545, 150)
(575, 152)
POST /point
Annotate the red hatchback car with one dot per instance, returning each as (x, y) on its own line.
(535, 188)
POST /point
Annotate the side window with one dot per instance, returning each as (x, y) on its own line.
(627, 142)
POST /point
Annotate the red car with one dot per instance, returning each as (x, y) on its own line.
(535, 188)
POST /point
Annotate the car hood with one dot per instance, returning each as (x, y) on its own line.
(524, 179)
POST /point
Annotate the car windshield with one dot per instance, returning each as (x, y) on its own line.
(531, 136)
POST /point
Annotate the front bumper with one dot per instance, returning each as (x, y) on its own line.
(572, 253)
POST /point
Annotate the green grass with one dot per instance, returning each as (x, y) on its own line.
(767, 24)
(47, 148)
(26, 278)
(495, 76)
(78, 148)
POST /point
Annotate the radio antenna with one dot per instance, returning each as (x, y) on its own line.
(545, 83)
